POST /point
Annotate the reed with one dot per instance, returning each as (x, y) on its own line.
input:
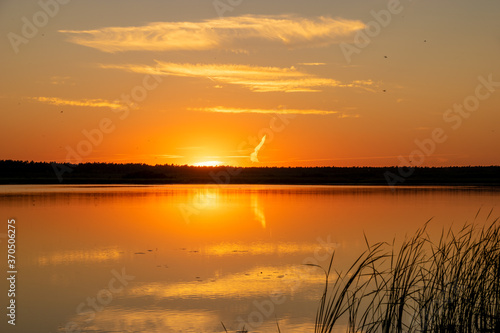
(452, 285)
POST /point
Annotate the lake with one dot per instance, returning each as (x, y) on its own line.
(186, 258)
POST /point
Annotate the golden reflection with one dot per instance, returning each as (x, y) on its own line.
(278, 248)
(87, 256)
(206, 198)
(257, 209)
(260, 281)
(116, 319)
(292, 326)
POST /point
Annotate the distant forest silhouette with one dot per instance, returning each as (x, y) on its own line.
(24, 172)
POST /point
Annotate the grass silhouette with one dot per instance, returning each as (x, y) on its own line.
(452, 285)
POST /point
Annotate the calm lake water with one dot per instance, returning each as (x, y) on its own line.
(184, 258)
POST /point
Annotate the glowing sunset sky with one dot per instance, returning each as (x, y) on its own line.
(344, 83)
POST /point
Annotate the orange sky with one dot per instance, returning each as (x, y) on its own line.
(344, 83)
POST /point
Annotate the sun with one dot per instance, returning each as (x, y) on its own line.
(208, 163)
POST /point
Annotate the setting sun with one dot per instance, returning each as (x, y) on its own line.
(208, 163)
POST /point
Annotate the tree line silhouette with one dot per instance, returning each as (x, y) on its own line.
(24, 172)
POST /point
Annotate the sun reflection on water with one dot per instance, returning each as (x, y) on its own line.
(258, 210)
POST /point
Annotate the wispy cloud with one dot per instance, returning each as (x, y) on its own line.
(253, 156)
(255, 78)
(61, 80)
(222, 109)
(359, 158)
(170, 156)
(191, 148)
(227, 33)
(364, 84)
(94, 103)
(312, 63)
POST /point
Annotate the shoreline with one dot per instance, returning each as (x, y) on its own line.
(96, 182)
(24, 173)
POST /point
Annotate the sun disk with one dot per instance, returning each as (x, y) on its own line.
(208, 163)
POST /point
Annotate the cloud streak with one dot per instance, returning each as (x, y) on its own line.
(227, 33)
(94, 103)
(222, 109)
(61, 80)
(311, 63)
(253, 156)
(255, 78)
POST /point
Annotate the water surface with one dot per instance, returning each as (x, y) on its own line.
(184, 258)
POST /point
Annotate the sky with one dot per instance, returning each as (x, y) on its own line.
(250, 82)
